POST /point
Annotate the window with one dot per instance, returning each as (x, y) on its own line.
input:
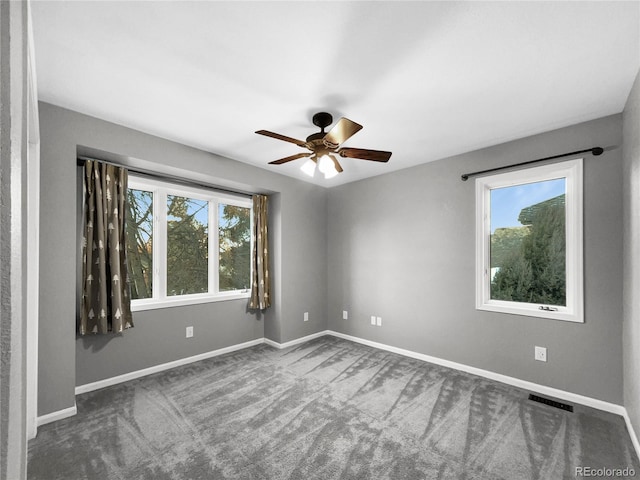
(186, 245)
(529, 242)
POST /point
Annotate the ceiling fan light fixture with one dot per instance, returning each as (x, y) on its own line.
(330, 173)
(325, 164)
(309, 167)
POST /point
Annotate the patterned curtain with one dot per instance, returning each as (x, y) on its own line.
(260, 283)
(106, 303)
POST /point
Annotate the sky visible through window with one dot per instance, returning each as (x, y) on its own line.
(507, 202)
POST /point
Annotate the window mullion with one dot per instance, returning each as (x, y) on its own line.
(251, 247)
(214, 247)
(160, 247)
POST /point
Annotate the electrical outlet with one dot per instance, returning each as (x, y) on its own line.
(373, 319)
(345, 315)
(189, 333)
(379, 321)
(306, 316)
(541, 354)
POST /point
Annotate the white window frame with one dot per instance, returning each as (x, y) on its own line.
(161, 190)
(570, 170)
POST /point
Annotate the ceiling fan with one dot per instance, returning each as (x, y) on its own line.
(323, 146)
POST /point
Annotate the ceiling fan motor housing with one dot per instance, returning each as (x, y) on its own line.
(316, 138)
(322, 120)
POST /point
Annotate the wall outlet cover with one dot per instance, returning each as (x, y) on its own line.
(345, 315)
(540, 354)
(373, 319)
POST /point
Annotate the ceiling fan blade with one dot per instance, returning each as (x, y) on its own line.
(336, 163)
(300, 143)
(340, 132)
(291, 158)
(363, 154)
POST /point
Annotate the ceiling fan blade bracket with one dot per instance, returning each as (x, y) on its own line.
(329, 145)
(336, 163)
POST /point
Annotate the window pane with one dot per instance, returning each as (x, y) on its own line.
(187, 245)
(528, 244)
(139, 225)
(235, 247)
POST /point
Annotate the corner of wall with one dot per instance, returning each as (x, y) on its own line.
(631, 256)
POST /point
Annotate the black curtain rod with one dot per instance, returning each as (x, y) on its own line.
(171, 178)
(595, 151)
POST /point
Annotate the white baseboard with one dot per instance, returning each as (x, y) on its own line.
(57, 415)
(297, 340)
(632, 432)
(107, 382)
(498, 377)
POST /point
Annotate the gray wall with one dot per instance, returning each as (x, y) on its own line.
(402, 247)
(631, 273)
(297, 231)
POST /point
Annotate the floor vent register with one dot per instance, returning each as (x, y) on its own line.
(551, 403)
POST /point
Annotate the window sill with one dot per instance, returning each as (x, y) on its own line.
(530, 311)
(149, 304)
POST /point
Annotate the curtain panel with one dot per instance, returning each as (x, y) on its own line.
(260, 283)
(106, 302)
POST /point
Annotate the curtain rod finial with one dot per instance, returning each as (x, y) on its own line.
(464, 177)
(597, 151)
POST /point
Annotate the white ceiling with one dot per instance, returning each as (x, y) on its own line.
(426, 79)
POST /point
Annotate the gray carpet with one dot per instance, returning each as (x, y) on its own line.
(326, 409)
